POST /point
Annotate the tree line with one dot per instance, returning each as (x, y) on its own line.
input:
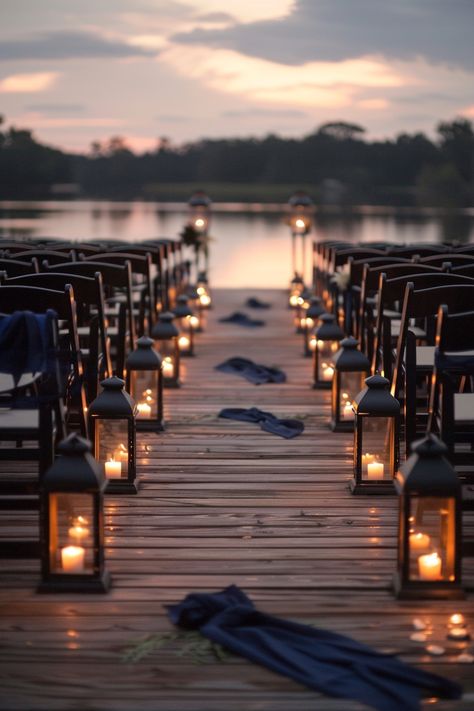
(335, 162)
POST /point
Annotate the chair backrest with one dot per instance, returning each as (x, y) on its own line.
(53, 257)
(465, 249)
(465, 270)
(140, 265)
(422, 250)
(341, 257)
(88, 293)
(455, 260)
(17, 267)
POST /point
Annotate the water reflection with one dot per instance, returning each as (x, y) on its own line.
(252, 242)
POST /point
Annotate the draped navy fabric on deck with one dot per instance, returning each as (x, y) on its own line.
(322, 660)
(241, 319)
(267, 421)
(26, 343)
(256, 374)
(254, 303)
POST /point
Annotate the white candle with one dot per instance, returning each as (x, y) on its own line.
(194, 321)
(144, 411)
(348, 412)
(429, 566)
(78, 533)
(121, 454)
(205, 299)
(168, 367)
(294, 299)
(72, 559)
(312, 343)
(457, 619)
(419, 541)
(328, 372)
(375, 470)
(113, 469)
(184, 342)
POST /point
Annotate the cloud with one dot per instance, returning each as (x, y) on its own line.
(55, 108)
(28, 83)
(264, 113)
(68, 45)
(217, 18)
(172, 118)
(337, 30)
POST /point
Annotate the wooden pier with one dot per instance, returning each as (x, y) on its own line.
(222, 502)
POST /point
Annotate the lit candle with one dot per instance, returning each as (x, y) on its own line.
(429, 566)
(113, 469)
(201, 290)
(194, 321)
(72, 559)
(294, 300)
(375, 470)
(205, 299)
(312, 343)
(168, 367)
(199, 223)
(419, 541)
(457, 620)
(78, 532)
(328, 372)
(121, 454)
(320, 344)
(348, 412)
(144, 411)
(367, 458)
(460, 634)
(184, 342)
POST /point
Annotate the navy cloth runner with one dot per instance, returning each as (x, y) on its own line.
(268, 422)
(254, 303)
(26, 343)
(242, 319)
(256, 374)
(322, 660)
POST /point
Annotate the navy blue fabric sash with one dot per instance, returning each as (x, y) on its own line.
(254, 373)
(322, 660)
(267, 421)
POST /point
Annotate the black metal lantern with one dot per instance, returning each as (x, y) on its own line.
(376, 428)
(296, 290)
(308, 323)
(351, 369)
(301, 212)
(328, 335)
(301, 308)
(166, 337)
(145, 385)
(204, 293)
(199, 205)
(184, 317)
(72, 522)
(429, 531)
(112, 425)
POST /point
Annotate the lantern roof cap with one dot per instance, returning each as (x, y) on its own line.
(75, 470)
(350, 358)
(165, 328)
(182, 308)
(114, 402)
(427, 471)
(329, 330)
(199, 199)
(376, 399)
(144, 357)
(300, 198)
(315, 308)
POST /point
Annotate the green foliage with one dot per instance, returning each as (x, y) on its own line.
(191, 644)
(250, 169)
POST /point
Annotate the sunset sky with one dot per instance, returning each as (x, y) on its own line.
(82, 71)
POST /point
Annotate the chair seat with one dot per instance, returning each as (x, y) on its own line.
(18, 420)
(395, 330)
(389, 313)
(425, 356)
(464, 407)
(7, 384)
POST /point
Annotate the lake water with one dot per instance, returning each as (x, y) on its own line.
(251, 244)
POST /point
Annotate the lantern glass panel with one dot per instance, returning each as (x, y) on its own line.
(432, 539)
(111, 447)
(350, 385)
(326, 354)
(167, 349)
(71, 533)
(144, 390)
(376, 455)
